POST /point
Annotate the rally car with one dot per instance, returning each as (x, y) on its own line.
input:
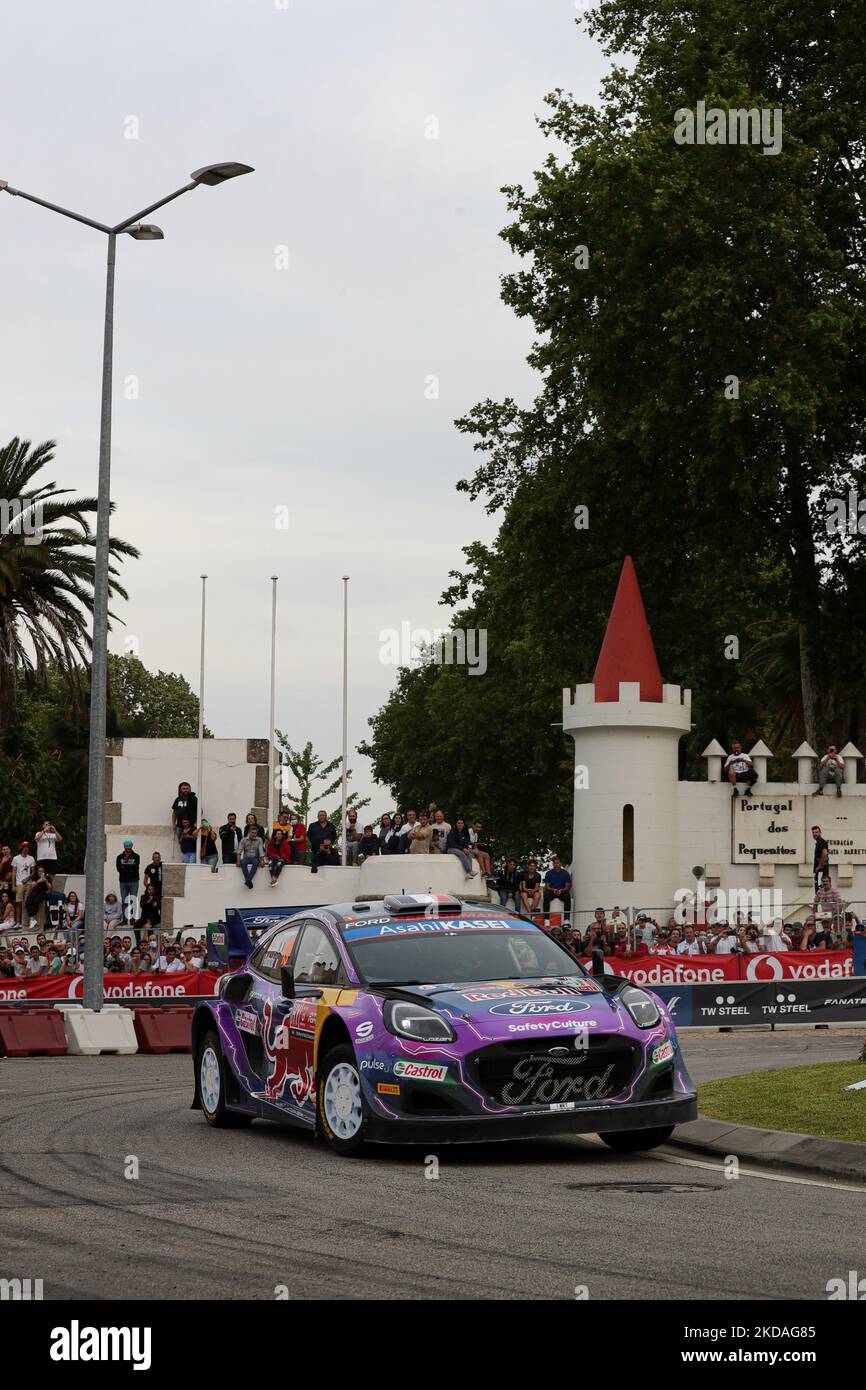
(427, 1019)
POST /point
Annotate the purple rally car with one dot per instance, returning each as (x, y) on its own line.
(425, 1019)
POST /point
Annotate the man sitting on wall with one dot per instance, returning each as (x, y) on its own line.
(739, 768)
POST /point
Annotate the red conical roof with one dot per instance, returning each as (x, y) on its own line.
(627, 652)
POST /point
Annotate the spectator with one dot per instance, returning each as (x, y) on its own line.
(830, 769)
(441, 830)
(456, 842)
(297, 839)
(279, 853)
(317, 832)
(598, 937)
(230, 838)
(23, 865)
(724, 941)
(128, 864)
(186, 839)
(135, 961)
(775, 937)
(647, 927)
(34, 902)
(508, 884)
(184, 807)
(411, 824)
(251, 852)
(146, 967)
(112, 913)
(55, 902)
(420, 836)
(188, 957)
(47, 840)
(114, 964)
(36, 963)
(207, 846)
(369, 846)
(557, 884)
(174, 960)
(7, 911)
(353, 838)
(150, 914)
(480, 849)
(397, 844)
(821, 857)
(6, 870)
(739, 768)
(326, 856)
(73, 914)
(828, 908)
(153, 874)
(21, 971)
(251, 821)
(126, 951)
(54, 960)
(7, 965)
(529, 887)
(283, 822)
(690, 945)
(386, 834)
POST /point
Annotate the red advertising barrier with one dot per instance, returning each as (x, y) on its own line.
(708, 970)
(165, 1028)
(31, 1032)
(117, 987)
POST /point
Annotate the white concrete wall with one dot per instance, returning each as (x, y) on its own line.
(147, 773)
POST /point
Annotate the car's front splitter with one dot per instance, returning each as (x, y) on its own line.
(473, 1129)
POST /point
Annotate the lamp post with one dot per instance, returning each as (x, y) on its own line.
(200, 783)
(345, 713)
(211, 175)
(275, 805)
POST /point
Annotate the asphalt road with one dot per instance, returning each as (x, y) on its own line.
(237, 1214)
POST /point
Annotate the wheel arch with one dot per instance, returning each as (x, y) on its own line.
(334, 1033)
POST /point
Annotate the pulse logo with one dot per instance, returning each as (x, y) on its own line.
(77, 1343)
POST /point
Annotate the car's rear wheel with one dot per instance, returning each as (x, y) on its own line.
(211, 1074)
(632, 1141)
(340, 1103)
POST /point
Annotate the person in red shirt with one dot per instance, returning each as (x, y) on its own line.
(278, 854)
(298, 840)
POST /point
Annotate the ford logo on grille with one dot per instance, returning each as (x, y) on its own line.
(518, 1008)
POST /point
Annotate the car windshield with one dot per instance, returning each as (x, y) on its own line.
(461, 957)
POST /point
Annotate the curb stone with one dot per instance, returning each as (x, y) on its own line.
(773, 1148)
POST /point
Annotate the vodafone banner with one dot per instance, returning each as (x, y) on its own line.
(117, 987)
(712, 970)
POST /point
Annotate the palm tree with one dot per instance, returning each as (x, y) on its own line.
(46, 573)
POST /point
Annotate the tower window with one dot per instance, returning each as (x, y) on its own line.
(628, 844)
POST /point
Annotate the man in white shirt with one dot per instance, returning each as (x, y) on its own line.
(47, 840)
(441, 830)
(738, 768)
(725, 941)
(174, 961)
(775, 938)
(830, 769)
(690, 945)
(410, 823)
(23, 865)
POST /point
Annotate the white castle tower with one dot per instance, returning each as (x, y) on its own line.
(626, 725)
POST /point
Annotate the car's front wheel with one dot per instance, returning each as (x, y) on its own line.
(632, 1141)
(211, 1074)
(340, 1103)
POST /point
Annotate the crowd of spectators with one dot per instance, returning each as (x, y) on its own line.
(155, 954)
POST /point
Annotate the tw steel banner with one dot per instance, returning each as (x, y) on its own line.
(707, 970)
(744, 1004)
(117, 987)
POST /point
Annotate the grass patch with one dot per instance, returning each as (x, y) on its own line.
(804, 1100)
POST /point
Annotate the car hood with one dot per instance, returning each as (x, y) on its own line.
(510, 1009)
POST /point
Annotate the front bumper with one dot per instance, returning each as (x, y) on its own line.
(537, 1124)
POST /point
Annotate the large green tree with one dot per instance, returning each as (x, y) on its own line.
(703, 264)
(147, 705)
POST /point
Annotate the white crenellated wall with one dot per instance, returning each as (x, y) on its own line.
(146, 773)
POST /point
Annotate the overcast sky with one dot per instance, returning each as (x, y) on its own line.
(240, 386)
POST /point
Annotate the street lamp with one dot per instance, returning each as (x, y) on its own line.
(211, 174)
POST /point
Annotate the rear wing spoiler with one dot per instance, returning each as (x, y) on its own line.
(228, 943)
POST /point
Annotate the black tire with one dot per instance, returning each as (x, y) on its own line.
(347, 1145)
(632, 1141)
(220, 1117)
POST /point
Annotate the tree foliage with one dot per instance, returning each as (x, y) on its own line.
(705, 263)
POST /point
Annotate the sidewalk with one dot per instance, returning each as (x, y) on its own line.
(773, 1148)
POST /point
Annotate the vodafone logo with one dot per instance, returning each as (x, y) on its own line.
(764, 968)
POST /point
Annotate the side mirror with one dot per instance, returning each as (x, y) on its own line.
(287, 982)
(597, 961)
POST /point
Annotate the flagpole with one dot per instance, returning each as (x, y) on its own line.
(200, 787)
(345, 712)
(271, 754)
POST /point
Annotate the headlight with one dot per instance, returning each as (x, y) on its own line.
(415, 1021)
(641, 1006)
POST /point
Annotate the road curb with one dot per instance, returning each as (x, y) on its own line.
(774, 1148)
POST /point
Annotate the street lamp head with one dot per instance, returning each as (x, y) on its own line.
(213, 174)
(145, 231)
(3, 184)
